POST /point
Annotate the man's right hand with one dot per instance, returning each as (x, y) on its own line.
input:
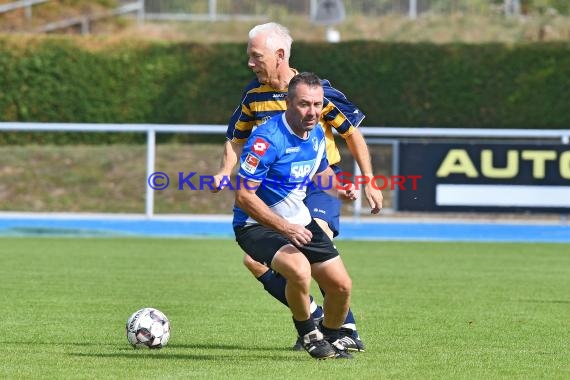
(298, 235)
(219, 182)
(230, 158)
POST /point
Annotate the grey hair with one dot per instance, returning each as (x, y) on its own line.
(278, 37)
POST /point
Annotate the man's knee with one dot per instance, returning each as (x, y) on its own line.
(299, 275)
(339, 287)
(345, 287)
(333, 278)
(292, 265)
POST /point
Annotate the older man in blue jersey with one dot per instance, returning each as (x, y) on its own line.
(274, 226)
(269, 49)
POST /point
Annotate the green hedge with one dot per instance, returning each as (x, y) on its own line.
(479, 86)
(423, 85)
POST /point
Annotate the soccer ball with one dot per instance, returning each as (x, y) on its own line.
(149, 328)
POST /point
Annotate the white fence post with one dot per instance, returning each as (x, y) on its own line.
(140, 13)
(150, 155)
(28, 9)
(212, 10)
(413, 9)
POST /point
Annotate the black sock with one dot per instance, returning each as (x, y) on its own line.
(304, 327)
(274, 285)
(330, 334)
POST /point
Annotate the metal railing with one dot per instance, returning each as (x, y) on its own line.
(374, 135)
(252, 10)
(217, 9)
(84, 22)
(26, 4)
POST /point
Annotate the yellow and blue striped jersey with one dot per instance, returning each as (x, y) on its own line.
(260, 102)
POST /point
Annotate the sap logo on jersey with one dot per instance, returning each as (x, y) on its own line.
(260, 146)
(301, 169)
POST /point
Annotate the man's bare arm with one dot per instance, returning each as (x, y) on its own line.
(359, 149)
(252, 205)
(230, 157)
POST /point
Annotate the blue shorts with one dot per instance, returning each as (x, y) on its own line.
(323, 206)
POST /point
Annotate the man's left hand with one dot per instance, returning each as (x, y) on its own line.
(374, 198)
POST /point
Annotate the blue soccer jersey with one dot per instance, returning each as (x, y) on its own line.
(283, 165)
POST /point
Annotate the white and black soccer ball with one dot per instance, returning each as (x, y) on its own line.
(149, 328)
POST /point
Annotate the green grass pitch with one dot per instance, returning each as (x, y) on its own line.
(424, 310)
